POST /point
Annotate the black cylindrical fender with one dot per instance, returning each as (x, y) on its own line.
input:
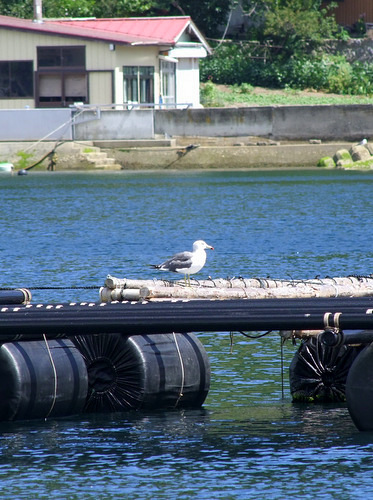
(144, 371)
(41, 379)
(359, 390)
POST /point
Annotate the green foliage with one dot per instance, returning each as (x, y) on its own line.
(208, 15)
(67, 8)
(326, 162)
(298, 26)
(210, 95)
(122, 8)
(23, 159)
(244, 88)
(232, 65)
(231, 96)
(17, 8)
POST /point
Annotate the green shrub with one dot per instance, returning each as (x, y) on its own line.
(232, 65)
(208, 93)
(23, 159)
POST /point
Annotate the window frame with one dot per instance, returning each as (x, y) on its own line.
(12, 80)
(61, 55)
(139, 81)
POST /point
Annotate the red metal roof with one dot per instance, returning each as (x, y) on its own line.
(142, 30)
(160, 29)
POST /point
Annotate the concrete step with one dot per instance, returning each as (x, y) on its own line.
(94, 156)
(133, 143)
(99, 159)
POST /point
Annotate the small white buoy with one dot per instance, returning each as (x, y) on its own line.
(6, 167)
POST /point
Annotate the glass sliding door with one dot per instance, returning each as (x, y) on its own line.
(168, 86)
(138, 84)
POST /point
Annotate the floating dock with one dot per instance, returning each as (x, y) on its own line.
(138, 348)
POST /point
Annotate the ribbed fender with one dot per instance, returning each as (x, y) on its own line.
(144, 371)
(318, 372)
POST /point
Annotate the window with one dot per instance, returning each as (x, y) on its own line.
(61, 78)
(58, 89)
(16, 79)
(61, 57)
(168, 90)
(138, 84)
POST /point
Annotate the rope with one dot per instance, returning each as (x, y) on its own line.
(58, 143)
(182, 371)
(70, 120)
(92, 287)
(226, 29)
(231, 336)
(55, 377)
(256, 336)
(282, 366)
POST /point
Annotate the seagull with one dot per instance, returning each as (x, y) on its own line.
(187, 263)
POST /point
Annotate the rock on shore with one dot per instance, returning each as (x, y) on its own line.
(358, 157)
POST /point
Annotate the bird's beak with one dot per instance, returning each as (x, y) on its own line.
(211, 248)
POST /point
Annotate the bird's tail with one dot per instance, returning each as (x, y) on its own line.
(155, 266)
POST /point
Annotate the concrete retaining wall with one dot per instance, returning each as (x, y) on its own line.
(328, 123)
(35, 124)
(114, 125)
(347, 122)
(215, 122)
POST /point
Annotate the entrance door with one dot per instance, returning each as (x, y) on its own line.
(168, 86)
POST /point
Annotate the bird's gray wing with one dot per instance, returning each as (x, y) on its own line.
(179, 260)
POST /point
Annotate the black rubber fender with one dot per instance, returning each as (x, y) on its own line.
(318, 373)
(359, 390)
(144, 371)
(41, 379)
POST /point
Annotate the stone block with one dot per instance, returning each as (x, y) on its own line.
(360, 153)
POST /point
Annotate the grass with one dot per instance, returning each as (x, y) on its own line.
(245, 95)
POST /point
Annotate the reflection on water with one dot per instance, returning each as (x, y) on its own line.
(184, 454)
(67, 230)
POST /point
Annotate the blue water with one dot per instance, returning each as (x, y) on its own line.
(67, 230)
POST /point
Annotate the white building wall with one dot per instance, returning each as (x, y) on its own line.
(187, 81)
(101, 87)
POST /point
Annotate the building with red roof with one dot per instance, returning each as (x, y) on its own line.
(54, 63)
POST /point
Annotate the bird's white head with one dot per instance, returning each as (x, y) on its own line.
(201, 245)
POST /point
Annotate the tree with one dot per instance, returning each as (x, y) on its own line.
(17, 8)
(298, 26)
(207, 14)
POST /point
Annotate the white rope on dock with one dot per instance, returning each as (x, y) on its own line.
(54, 375)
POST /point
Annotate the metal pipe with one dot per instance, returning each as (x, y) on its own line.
(195, 315)
(38, 11)
(333, 338)
(18, 296)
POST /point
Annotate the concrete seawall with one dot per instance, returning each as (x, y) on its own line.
(223, 153)
(220, 156)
